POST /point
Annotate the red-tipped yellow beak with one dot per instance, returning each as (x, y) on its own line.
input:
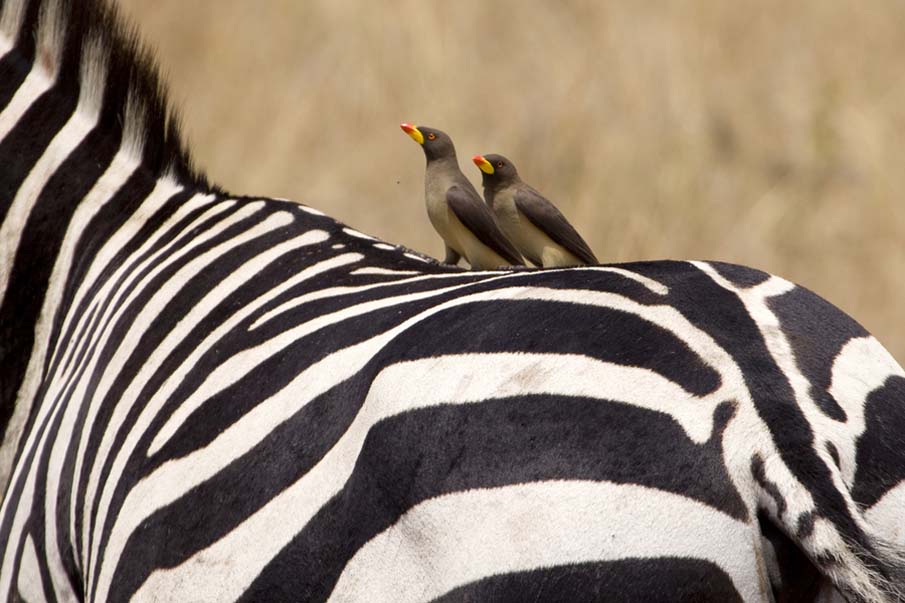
(412, 131)
(482, 163)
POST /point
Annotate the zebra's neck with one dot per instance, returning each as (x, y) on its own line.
(87, 143)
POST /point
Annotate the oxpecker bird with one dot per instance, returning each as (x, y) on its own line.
(455, 208)
(540, 232)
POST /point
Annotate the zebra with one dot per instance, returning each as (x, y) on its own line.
(210, 397)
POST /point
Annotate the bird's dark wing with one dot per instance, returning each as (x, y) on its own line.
(477, 217)
(548, 219)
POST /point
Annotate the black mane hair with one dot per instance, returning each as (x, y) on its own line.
(96, 28)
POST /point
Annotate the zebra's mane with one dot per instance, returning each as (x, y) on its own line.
(96, 57)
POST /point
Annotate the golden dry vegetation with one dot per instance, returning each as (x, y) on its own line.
(769, 134)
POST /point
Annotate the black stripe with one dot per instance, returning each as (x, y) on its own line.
(740, 276)
(831, 449)
(28, 140)
(816, 330)
(649, 580)
(768, 486)
(805, 525)
(880, 457)
(13, 71)
(562, 328)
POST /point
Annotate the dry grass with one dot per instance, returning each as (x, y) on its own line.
(770, 134)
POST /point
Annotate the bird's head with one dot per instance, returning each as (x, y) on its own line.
(435, 143)
(495, 169)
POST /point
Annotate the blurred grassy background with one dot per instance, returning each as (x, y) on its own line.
(769, 134)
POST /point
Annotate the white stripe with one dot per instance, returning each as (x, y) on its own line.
(51, 37)
(452, 380)
(49, 42)
(373, 270)
(21, 512)
(862, 366)
(288, 513)
(93, 77)
(29, 580)
(651, 284)
(453, 540)
(305, 208)
(358, 235)
(36, 83)
(415, 256)
(886, 515)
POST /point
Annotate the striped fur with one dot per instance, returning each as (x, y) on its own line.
(211, 398)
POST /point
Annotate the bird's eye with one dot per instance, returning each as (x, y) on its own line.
(499, 164)
(431, 136)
